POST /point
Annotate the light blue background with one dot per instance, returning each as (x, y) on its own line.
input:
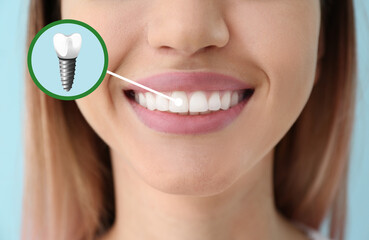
(12, 63)
(89, 63)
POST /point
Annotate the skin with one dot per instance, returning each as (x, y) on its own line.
(209, 186)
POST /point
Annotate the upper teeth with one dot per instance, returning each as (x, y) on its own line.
(192, 103)
(67, 47)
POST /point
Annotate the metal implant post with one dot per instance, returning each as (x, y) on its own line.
(67, 71)
(67, 48)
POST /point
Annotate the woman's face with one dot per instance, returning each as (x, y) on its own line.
(270, 46)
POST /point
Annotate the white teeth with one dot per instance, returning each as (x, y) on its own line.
(234, 99)
(141, 99)
(214, 101)
(226, 100)
(179, 109)
(162, 104)
(67, 47)
(137, 98)
(194, 103)
(198, 102)
(150, 101)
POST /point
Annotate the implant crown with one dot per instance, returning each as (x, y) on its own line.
(67, 46)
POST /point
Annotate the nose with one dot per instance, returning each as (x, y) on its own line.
(187, 26)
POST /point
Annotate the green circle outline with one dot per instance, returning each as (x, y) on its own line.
(30, 51)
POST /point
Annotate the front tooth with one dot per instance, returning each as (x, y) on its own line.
(150, 101)
(179, 109)
(142, 99)
(234, 99)
(226, 100)
(198, 102)
(214, 101)
(162, 104)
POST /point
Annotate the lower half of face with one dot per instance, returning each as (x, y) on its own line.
(243, 69)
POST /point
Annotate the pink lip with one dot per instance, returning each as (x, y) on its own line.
(189, 124)
(190, 81)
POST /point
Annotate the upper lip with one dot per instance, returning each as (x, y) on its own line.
(190, 81)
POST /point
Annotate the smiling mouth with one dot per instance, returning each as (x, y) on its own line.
(193, 102)
(210, 101)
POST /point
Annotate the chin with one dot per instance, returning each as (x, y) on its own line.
(189, 176)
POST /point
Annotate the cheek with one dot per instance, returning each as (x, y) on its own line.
(281, 38)
(98, 110)
(120, 25)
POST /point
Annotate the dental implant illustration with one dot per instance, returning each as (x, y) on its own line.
(67, 48)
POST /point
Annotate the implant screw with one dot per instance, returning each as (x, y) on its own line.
(67, 71)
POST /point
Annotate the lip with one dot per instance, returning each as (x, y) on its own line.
(174, 123)
(190, 81)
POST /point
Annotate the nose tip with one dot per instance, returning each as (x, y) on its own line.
(187, 26)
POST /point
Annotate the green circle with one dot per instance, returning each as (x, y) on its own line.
(29, 61)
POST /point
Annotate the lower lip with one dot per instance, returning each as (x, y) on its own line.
(187, 124)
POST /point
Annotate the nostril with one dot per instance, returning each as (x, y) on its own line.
(166, 50)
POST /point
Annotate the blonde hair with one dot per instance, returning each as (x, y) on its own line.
(69, 185)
